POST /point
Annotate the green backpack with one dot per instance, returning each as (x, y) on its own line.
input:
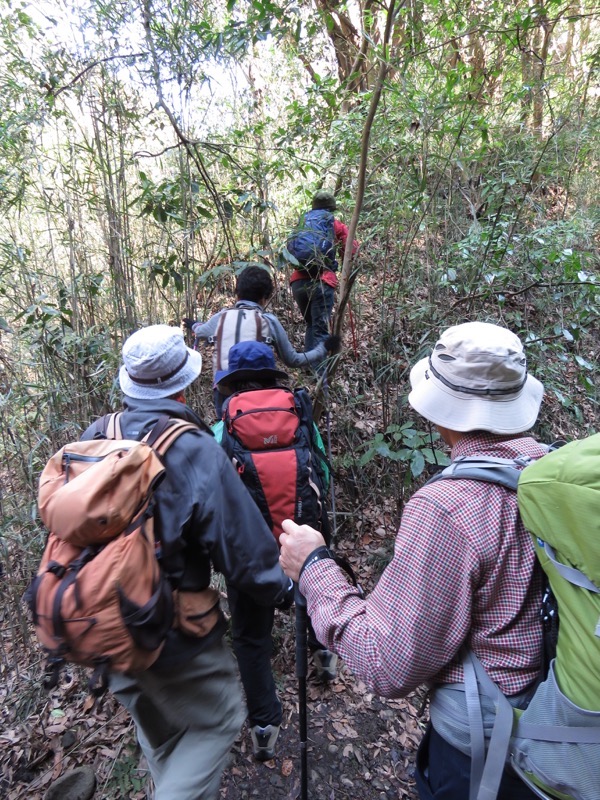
(554, 745)
(559, 502)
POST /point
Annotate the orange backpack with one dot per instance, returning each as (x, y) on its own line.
(100, 597)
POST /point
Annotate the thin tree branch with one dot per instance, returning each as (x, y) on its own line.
(534, 285)
(185, 141)
(348, 276)
(79, 76)
(345, 284)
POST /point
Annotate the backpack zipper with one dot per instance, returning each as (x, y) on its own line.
(70, 457)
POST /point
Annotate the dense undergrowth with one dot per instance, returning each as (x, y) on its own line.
(380, 452)
(379, 449)
(132, 191)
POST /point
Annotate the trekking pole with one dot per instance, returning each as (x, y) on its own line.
(328, 425)
(301, 673)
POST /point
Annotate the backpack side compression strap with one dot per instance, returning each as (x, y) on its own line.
(486, 771)
(570, 574)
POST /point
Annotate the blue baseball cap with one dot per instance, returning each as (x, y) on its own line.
(250, 361)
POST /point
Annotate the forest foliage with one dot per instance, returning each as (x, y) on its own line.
(148, 151)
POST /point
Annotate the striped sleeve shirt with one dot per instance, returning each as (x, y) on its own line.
(463, 571)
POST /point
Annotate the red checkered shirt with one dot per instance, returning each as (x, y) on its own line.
(463, 571)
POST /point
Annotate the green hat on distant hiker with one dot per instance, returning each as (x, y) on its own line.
(324, 200)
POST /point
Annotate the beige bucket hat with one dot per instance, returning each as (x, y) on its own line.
(157, 363)
(476, 379)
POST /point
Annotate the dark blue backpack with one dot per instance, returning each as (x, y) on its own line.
(313, 244)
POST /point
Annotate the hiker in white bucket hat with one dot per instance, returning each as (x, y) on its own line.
(476, 379)
(464, 575)
(188, 707)
(157, 363)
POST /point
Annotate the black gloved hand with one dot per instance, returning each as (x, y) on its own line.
(287, 600)
(187, 323)
(333, 344)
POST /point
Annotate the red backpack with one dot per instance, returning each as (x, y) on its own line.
(269, 436)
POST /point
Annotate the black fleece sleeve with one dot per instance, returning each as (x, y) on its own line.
(224, 520)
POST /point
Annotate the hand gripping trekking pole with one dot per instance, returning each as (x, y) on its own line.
(301, 673)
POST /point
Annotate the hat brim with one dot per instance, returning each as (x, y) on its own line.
(224, 378)
(462, 412)
(180, 381)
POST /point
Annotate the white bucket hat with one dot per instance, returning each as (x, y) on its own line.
(157, 363)
(476, 379)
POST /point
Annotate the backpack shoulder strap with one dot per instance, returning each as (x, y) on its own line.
(304, 407)
(502, 471)
(218, 337)
(506, 472)
(305, 411)
(304, 403)
(112, 425)
(107, 427)
(166, 431)
(258, 320)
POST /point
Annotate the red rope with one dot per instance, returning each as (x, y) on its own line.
(353, 330)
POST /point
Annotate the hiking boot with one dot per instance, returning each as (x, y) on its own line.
(263, 741)
(326, 665)
(78, 784)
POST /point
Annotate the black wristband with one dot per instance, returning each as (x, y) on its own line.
(317, 555)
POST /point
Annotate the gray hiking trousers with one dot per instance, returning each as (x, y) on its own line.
(187, 719)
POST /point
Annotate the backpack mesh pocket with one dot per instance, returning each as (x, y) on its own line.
(567, 767)
(149, 624)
